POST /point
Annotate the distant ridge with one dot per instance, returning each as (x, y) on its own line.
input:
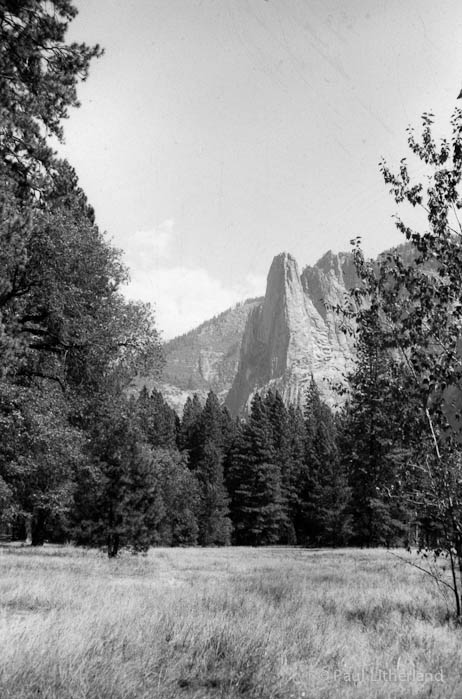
(204, 358)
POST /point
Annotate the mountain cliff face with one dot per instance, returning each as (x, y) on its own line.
(275, 342)
(292, 334)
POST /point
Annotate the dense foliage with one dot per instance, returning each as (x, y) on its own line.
(273, 478)
(69, 342)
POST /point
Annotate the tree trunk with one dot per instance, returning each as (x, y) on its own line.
(113, 545)
(28, 528)
(38, 528)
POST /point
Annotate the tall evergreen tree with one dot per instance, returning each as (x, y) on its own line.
(211, 422)
(157, 420)
(190, 430)
(230, 430)
(117, 498)
(179, 503)
(256, 482)
(377, 427)
(281, 431)
(297, 487)
(325, 493)
(214, 522)
(309, 526)
(213, 511)
(39, 73)
(331, 492)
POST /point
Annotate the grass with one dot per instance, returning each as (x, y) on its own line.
(183, 623)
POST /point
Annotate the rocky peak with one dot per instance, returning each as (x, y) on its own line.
(328, 280)
(293, 334)
(332, 264)
(282, 267)
(275, 342)
(272, 324)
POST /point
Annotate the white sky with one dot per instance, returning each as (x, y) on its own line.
(214, 134)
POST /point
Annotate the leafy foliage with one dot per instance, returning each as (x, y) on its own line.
(416, 312)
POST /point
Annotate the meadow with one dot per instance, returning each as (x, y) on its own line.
(272, 623)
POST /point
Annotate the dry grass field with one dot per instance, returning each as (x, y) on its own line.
(183, 623)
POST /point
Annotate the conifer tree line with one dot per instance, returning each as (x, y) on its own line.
(282, 475)
(275, 477)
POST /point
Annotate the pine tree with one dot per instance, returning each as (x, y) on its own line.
(376, 426)
(190, 437)
(214, 522)
(256, 482)
(117, 496)
(211, 422)
(39, 73)
(296, 488)
(157, 420)
(230, 430)
(308, 521)
(324, 494)
(213, 515)
(281, 430)
(331, 492)
(179, 502)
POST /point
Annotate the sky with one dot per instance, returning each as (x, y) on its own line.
(215, 134)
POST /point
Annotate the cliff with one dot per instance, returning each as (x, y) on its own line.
(275, 342)
(293, 334)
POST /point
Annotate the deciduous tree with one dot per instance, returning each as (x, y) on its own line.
(418, 302)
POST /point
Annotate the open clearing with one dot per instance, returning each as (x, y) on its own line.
(268, 623)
